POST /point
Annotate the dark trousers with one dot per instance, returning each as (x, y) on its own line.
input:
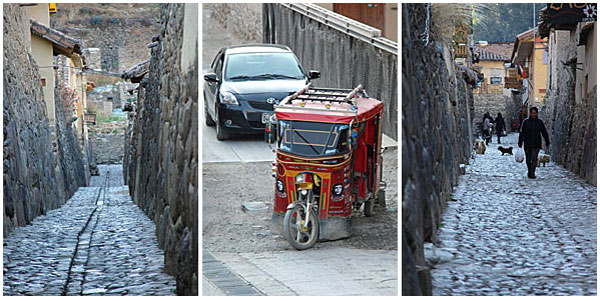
(531, 156)
(499, 133)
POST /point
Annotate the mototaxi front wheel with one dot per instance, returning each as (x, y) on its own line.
(299, 234)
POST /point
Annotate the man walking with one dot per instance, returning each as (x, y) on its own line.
(500, 126)
(531, 129)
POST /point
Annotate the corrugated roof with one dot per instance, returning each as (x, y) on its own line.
(61, 43)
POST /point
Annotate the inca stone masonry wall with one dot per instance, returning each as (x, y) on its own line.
(571, 124)
(39, 169)
(72, 162)
(344, 61)
(162, 151)
(436, 137)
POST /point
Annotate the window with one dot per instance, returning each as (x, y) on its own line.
(219, 66)
(312, 138)
(277, 65)
(496, 80)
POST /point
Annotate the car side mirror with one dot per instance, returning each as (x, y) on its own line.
(211, 77)
(312, 74)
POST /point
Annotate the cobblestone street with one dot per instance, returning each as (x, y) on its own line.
(98, 243)
(505, 234)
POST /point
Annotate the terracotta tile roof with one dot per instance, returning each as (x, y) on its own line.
(504, 49)
(485, 55)
(137, 72)
(495, 51)
(61, 43)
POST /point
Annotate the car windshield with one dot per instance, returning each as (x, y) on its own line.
(312, 139)
(262, 66)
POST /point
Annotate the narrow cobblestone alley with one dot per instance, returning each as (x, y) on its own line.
(98, 243)
(505, 234)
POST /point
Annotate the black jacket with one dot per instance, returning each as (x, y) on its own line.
(530, 133)
(500, 125)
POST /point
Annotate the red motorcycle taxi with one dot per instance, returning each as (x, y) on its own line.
(328, 162)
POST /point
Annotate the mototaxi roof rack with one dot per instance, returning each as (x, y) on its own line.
(326, 96)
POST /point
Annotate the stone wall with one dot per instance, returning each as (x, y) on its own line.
(344, 61)
(494, 104)
(39, 174)
(571, 123)
(72, 162)
(436, 137)
(162, 152)
(108, 148)
(119, 30)
(243, 19)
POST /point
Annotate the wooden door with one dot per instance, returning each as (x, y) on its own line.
(371, 14)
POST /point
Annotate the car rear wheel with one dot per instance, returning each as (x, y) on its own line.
(207, 118)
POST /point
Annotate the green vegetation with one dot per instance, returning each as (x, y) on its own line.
(503, 22)
(104, 119)
(490, 22)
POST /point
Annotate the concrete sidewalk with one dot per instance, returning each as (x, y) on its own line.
(318, 272)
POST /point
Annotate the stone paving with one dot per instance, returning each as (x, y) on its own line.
(505, 234)
(97, 243)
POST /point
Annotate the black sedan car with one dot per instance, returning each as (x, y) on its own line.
(245, 82)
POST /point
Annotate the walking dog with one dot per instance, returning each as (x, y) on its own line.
(480, 147)
(505, 150)
(543, 159)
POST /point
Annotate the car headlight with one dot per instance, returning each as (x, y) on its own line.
(338, 189)
(228, 98)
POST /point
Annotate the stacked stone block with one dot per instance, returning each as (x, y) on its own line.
(436, 138)
(43, 165)
(162, 152)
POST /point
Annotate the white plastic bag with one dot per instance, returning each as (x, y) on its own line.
(520, 155)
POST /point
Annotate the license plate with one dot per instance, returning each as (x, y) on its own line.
(266, 117)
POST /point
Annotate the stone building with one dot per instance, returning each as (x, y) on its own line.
(571, 97)
(165, 125)
(491, 96)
